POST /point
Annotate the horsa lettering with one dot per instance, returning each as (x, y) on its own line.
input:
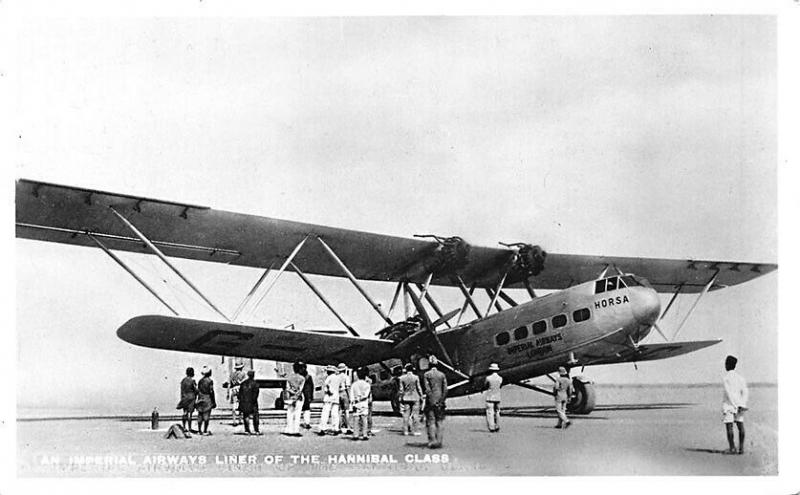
(611, 301)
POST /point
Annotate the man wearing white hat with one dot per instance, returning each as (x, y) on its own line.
(562, 390)
(238, 376)
(492, 396)
(329, 420)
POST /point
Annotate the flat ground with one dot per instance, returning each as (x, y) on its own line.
(633, 431)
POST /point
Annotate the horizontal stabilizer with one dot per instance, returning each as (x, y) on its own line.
(228, 339)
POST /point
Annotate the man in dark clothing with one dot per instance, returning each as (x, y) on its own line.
(188, 398)
(435, 396)
(308, 396)
(248, 402)
(206, 401)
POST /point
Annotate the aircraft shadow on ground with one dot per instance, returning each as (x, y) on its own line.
(549, 412)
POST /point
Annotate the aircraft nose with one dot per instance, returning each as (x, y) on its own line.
(646, 305)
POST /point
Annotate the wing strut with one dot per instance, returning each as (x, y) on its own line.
(163, 258)
(468, 297)
(395, 298)
(246, 299)
(705, 289)
(674, 296)
(352, 278)
(129, 270)
(496, 292)
(322, 298)
(278, 275)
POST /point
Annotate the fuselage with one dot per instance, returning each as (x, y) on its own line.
(564, 328)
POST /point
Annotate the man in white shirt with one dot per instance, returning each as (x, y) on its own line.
(492, 396)
(360, 394)
(329, 420)
(734, 404)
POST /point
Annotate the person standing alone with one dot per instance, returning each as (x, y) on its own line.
(734, 404)
(562, 390)
(492, 397)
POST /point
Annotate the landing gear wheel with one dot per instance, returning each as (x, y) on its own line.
(279, 403)
(583, 400)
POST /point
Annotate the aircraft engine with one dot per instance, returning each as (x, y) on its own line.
(450, 256)
(529, 262)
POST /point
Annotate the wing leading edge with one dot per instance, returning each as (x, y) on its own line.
(56, 213)
(209, 337)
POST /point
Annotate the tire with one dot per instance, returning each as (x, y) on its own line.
(279, 403)
(584, 399)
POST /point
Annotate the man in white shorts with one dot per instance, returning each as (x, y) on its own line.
(734, 404)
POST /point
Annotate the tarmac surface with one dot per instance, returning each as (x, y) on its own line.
(633, 431)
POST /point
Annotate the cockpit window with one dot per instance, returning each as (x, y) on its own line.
(611, 284)
(600, 286)
(630, 281)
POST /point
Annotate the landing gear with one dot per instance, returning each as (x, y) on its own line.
(584, 399)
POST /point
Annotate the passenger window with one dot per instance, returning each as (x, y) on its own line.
(384, 375)
(600, 286)
(612, 284)
(521, 333)
(502, 338)
(559, 321)
(539, 327)
(581, 315)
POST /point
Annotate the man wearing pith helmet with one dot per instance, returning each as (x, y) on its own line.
(562, 390)
(492, 397)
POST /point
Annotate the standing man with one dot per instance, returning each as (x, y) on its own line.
(206, 401)
(369, 403)
(308, 396)
(329, 420)
(344, 399)
(410, 396)
(293, 400)
(562, 390)
(248, 402)
(361, 396)
(492, 396)
(188, 398)
(734, 404)
(237, 377)
(435, 395)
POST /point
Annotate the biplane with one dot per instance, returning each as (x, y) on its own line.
(579, 310)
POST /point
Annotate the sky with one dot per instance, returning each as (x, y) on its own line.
(625, 136)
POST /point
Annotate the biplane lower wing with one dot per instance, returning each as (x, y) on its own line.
(78, 216)
(650, 352)
(209, 337)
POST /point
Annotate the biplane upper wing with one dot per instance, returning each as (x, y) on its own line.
(56, 213)
(649, 352)
(227, 339)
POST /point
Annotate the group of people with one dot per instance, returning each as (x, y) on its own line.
(431, 398)
(197, 396)
(347, 405)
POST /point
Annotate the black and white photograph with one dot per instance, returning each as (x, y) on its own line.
(472, 245)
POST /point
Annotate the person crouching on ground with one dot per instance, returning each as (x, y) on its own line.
(562, 390)
(734, 404)
(410, 396)
(293, 401)
(206, 401)
(248, 403)
(360, 394)
(188, 398)
(492, 396)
